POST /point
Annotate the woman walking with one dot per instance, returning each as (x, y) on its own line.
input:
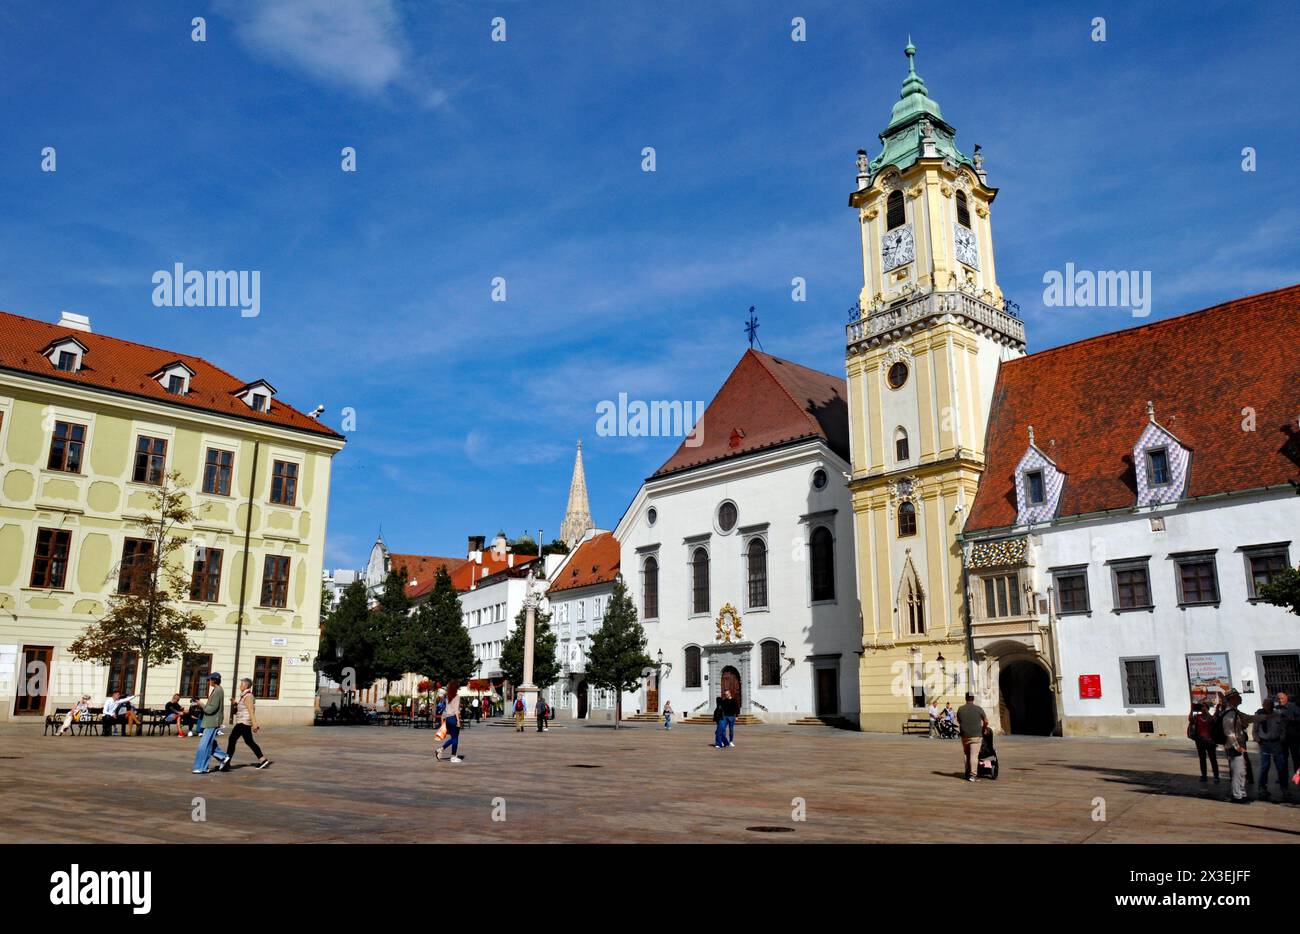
(451, 720)
(668, 715)
(245, 726)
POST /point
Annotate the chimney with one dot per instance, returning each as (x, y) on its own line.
(475, 549)
(70, 319)
(510, 559)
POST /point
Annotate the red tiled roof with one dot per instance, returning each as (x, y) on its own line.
(421, 570)
(1087, 402)
(766, 402)
(125, 367)
(595, 562)
(470, 571)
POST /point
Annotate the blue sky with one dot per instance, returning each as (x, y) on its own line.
(478, 159)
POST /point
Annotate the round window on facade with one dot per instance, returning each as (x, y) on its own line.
(651, 516)
(898, 375)
(727, 516)
(819, 479)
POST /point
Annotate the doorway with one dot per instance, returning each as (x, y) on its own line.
(34, 680)
(828, 695)
(731, 682)
(1027, 699)
(582, 700)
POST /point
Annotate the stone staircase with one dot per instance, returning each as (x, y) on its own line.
(745, 719)
(837, 722)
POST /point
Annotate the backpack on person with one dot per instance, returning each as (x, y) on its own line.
(519, 705)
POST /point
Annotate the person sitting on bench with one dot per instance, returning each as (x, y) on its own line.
(172, 713)
(112, 713)
(78, 713)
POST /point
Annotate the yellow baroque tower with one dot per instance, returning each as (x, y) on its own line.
(923, 349)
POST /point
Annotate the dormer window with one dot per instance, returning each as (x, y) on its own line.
(65, 354)
(174, 377)
(257, 396)
(1158, 467)
(1035, 488)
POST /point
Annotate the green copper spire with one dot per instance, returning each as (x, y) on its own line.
(914, 116)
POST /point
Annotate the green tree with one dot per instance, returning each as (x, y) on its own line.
(145, 615)
(392, 622)
(1283, 590)
(438, 644)
(617, 659)
(349, 641)
(546, 665)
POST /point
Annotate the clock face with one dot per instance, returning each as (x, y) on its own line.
(967, 250)
(897, 248)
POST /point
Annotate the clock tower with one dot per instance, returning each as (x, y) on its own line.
(923, 348)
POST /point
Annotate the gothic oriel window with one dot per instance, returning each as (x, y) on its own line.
(963, 209)
(756, 572)
(895, 216)
(650, 588)
(911, 603)
(906, 519)
(700, 581)
(822, 548)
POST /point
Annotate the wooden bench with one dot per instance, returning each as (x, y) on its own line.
(916, 726)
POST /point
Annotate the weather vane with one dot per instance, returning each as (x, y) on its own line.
(751, 329)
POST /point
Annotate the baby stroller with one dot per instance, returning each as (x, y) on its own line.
(988, 758)
(947, 729)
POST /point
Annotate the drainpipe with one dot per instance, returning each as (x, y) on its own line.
(243, 579)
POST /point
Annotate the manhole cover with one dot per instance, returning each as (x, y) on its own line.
(771, 829)
(583, 765)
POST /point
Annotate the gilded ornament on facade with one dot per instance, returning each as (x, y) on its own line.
(728, 624)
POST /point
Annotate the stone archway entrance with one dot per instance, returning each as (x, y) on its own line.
(1027, 698)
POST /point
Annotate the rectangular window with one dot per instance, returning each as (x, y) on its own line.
(1281, 673)
(1037, 489)
(1197, 580)
(275, 581)
(1141, 682)
(1001, 596)
(1263, 564)
(150, 460)
(1158, 461)
(121, 673)
(284, 483)
(66, 447)
(217, 470)
(50, 566)
(194, 675)
(205, 582)
(1132, 586)
(1071, 591)
(259, 402)
(136, 568)
(176, 385)
(266, 677)
(67, 361)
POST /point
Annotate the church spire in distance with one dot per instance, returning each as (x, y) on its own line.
(577, 517)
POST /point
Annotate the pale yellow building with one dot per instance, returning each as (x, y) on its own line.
(88, 426)
(922, 359)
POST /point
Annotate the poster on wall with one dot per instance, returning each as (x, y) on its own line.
(1208, 676)
(1089, 687)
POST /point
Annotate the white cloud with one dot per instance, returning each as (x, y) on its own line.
(353, 44)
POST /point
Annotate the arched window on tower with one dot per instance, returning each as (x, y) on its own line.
(901, 452)
(650, 588)
(895, 216)
(963, 210)
(906, 519)
(756, 573)
(700, 581)
(822, 548)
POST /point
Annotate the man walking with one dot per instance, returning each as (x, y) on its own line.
(1290, 715)
(730, 711)
(541, 714)
(520, 710)
(719, 725)
(1269, 732)
(213, 709)
(972, 722)
(934, 719)
(1235, 723)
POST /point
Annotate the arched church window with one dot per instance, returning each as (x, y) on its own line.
(650, 588)
(770, 669)
(895, 216)
(901, 452)
(700, 581)
(693, 666)
(906, 520)
(756, 572)
(822, 548)
(963, 210)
